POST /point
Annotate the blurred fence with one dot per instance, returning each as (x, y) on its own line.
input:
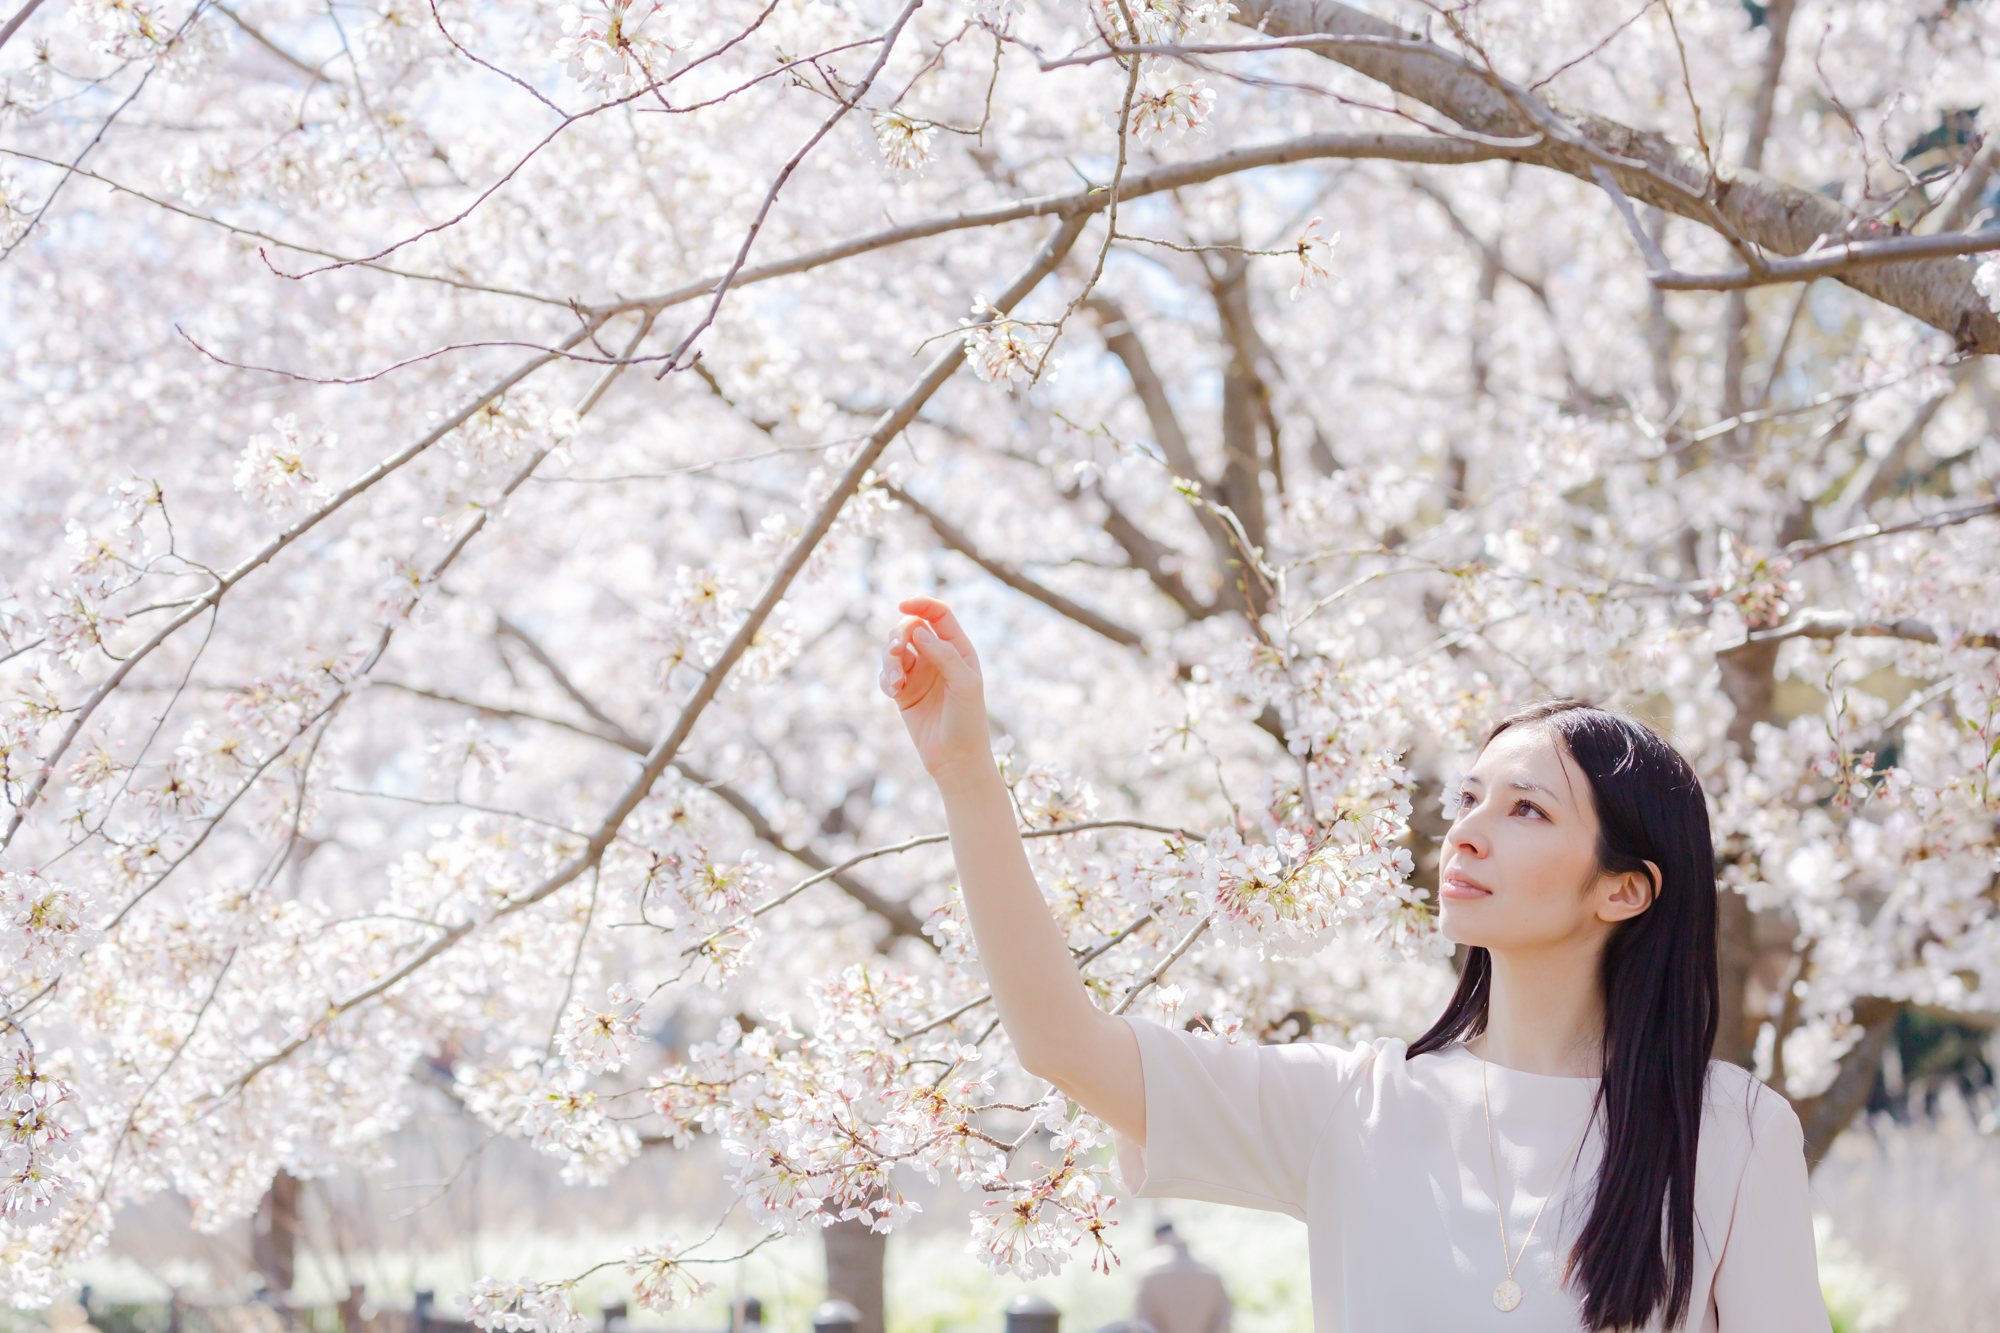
(356, 1314)
(1025, 1313)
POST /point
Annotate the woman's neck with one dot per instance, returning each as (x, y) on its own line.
(1545, 1012)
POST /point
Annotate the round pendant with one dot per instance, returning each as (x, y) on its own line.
(1507, 1295)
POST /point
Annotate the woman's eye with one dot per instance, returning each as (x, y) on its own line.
(1523, 807)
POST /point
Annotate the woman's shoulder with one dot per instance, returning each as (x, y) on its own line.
(1740, 1109)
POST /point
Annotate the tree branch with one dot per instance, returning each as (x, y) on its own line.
(1844, 261)
(1806, 550)
(1736, 320)
(1121, 339)
(1773, 216)
(1957, 207)
(1435, 149)
(1241, 487)
(1817, 624)
(20, 16)
(1147, 555)
(897, 916)
(902, 922)
(956, 539)
(1823, 1117)
(616, 731)
(1876, 475)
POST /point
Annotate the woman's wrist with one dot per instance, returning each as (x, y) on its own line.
(972, 776)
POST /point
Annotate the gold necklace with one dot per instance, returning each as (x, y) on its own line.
(1507, 1295)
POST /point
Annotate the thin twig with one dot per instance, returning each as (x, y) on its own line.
(1145, 983)
(847, 104)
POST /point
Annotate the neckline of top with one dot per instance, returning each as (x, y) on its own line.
(1508, 1071)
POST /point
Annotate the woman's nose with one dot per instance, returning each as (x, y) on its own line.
(1467, 834)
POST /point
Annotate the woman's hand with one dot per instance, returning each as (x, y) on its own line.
(930, 669)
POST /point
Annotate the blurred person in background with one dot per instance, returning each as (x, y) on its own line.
(1177, 1292)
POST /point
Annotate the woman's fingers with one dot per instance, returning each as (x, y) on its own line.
(942, 656)
(939, 617)
(927, 646)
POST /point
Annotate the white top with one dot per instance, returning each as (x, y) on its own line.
(1385, 1160)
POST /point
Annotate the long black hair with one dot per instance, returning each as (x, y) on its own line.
(1659, 984)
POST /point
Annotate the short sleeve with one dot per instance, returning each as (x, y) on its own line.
(1235, 1124)
(1768, 1278)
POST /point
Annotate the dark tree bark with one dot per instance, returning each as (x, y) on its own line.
(1779, 218)
(854, 1256)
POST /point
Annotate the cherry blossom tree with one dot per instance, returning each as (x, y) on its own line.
(461, 460)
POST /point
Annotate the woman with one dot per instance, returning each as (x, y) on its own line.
(1556, 1152)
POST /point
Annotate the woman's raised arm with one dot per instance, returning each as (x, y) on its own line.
(932, 672)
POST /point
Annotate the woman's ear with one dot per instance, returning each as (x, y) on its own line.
(1626, 896)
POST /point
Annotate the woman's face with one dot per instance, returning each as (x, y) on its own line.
(1520, 864)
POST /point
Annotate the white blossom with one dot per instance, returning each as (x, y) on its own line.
(1178, 107)
(595, 1041)
(1315, 252)
(1987, 280)
(616, 47)
(905, 142)
(1002, 349)
(274, 472)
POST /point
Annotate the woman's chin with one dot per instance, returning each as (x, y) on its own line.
(1460, 925)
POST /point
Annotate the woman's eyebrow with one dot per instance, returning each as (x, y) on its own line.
(1471, 781)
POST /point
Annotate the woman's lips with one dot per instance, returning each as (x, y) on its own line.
(1458, 886)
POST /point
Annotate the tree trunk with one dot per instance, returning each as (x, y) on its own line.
(274, 1234)
(854, 1256)
(1749, 679)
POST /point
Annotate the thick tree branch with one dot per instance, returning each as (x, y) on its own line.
(1775, 217)
(1823, 1117)
(1149, 556)
(1956, 209)
(956, 539)
(1121, 339)
(1244, 394)
(21, 16)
